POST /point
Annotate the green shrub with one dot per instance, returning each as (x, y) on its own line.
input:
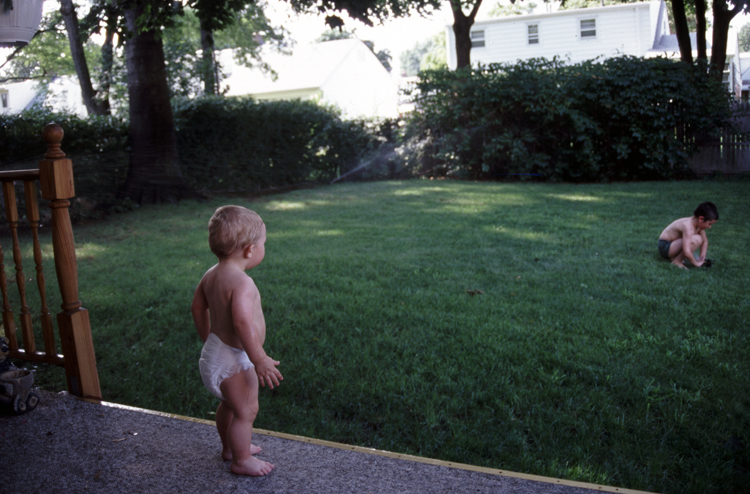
(225, 145)
(98, 147)
(231, 144)
(617, 119)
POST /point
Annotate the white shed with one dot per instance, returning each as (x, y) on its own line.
(344, 73)
(60, 94)
(17, 96)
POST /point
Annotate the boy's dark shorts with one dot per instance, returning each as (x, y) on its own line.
(664, 248)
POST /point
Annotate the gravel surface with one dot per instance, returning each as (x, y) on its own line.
(69, 445)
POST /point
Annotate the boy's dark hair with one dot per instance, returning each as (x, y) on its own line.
(707, 210)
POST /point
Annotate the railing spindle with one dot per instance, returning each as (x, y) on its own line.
(11, 213)
(32, 212)
(8, 321)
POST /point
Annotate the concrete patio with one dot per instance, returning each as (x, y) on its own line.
(70, 446)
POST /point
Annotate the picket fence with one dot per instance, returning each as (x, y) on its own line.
(728, 153)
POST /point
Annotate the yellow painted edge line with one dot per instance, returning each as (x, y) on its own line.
(388, 454)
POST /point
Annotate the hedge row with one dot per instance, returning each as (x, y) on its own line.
(228, 143)
(622, 118)
(225, 145)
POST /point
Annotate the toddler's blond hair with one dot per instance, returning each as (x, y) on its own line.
(232, 228)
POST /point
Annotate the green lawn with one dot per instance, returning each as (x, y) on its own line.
(527, 327)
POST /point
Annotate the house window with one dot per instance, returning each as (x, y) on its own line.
(588, 28)
(4, 99)
(477, 39)
(533, 34)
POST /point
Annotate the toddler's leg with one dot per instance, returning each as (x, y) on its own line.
(224, 418)
(241, 393)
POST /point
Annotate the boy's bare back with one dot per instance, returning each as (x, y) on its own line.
(679, 228)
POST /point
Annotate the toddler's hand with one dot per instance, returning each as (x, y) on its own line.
(268, 373)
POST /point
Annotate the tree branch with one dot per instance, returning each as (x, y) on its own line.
(11, 79)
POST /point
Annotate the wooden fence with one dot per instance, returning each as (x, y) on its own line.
(55, 176)
(728, 153)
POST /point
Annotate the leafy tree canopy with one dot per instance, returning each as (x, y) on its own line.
(334, 34)
(365, 11)
(48, 56)
(587, 4)
(502, 9)
(744, 35)
(437, 57)
(428, 54)
(246, 34)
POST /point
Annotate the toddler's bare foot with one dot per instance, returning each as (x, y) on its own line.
(227, 453)
(253, 467)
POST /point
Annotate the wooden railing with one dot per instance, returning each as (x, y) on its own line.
(55, 175)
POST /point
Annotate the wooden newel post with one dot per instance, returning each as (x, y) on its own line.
(56, 178)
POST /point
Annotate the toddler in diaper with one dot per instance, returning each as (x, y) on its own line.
(219, 361)
(229, 319)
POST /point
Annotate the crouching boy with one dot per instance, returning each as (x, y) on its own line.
(684, 236)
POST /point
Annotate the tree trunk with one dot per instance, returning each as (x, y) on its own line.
(94, 107)
(108, 54)
(154, 173)
(682, 31)
(462, 30)
(722, 17)
(209, 64)
(700, 33)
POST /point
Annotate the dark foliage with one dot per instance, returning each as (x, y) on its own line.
(623, 118)
(229, 144)
(97, 145)
(225, 146)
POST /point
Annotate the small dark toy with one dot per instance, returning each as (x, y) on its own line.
(707, 263)
(15, 384)
(4, 351)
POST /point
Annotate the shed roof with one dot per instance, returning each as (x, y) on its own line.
(308, 67)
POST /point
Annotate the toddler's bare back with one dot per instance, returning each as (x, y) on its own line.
(231, 294)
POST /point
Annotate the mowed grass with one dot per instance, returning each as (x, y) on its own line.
(526, 327)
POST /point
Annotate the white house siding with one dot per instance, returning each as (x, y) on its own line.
(622, 29)
(745, 69)
(734, 75)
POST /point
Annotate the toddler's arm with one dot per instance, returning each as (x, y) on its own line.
(243, 303)
(201, 317)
